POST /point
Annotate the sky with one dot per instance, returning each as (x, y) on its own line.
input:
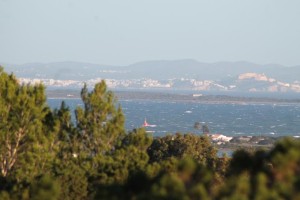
(122, 32)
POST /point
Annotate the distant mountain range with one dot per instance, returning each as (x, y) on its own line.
(182, 74)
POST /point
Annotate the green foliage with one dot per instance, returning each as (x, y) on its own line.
(4, 195)
(169, 186)
(45, 188)
(180, 146)
(236, 188)
(186, 180)
(100, 126)
(22, 140)
(129, 157)
(273, 175)
(285, 167)
(73, 181)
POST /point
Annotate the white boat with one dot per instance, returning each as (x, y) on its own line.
(145, 124)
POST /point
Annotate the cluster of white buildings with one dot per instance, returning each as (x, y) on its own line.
(219, 138)
(181, 83)
(111, 83)
(275, 85)
(50, 82)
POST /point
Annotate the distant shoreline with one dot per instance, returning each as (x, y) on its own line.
(171, 97)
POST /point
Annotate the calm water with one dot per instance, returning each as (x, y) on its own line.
(227, 119)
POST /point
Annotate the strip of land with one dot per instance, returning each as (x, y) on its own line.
(163, 96)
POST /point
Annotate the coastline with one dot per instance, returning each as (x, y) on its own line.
(171, 97)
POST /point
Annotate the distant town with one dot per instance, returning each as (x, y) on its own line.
(250, 82)
(185, 74)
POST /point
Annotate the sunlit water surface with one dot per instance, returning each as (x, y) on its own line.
(227, 119)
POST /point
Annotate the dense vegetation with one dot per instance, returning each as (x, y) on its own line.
(43, 155)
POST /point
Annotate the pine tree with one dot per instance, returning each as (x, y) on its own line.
(23, 144)
(100, 125)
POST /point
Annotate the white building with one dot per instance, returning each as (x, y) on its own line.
(219, 138)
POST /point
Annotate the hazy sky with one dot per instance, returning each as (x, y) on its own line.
(126, 31)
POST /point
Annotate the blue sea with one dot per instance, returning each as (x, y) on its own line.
(227, 119)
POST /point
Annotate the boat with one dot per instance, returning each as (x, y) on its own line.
(146, 124)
